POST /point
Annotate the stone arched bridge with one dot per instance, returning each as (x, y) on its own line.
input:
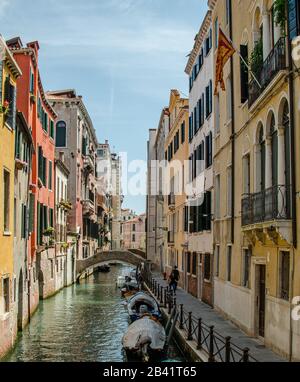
(131, 257)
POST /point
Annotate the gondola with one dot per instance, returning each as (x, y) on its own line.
(104, 268)
(142, 303)
(145, 339)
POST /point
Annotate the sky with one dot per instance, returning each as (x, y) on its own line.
(122, 56)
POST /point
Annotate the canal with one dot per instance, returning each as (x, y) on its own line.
(82, 323)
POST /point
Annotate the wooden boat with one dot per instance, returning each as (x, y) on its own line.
(145, 339)
(104, 268)
(142, 303)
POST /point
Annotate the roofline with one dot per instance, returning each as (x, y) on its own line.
(15, 67)
(199, 39)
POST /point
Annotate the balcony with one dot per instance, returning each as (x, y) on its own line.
(267, 214)
(88, 163)
(171, 239)
(88, 207)
(171, 201)
(274, 63)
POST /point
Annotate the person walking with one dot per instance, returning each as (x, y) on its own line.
(174, 278)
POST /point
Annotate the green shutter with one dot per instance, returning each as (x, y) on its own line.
(38, 223)
(40, 162)
(31, 212)
(50, 175)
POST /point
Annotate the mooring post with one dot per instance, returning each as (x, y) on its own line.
(227, 349)
(246, 355)
(181, 317)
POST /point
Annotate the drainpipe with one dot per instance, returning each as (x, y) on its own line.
(293, 162)
(232, 131)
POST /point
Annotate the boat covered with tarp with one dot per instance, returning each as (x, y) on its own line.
(145, 339)
(142, 304)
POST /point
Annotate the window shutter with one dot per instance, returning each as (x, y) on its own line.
(202, 109)
(207, 151)
(40, 162)
(244, 77)
(207, 100)
(50, 175)
(210, 96)
(14, 106)
(31, 212)
(293, 21)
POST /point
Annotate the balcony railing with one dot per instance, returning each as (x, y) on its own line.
(88, 163)
(171, 200)
(270, 204)
(171, 237)
(274, 63)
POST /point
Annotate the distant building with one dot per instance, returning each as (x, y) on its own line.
(134, 233)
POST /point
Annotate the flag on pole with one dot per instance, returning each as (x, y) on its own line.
(225, 51)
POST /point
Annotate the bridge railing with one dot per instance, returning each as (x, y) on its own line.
(217, 347)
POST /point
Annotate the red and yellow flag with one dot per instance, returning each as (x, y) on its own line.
(225, 51)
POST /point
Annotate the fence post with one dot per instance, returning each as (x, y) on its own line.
(181, 317)
(227, 349)
(246, 355)
(161, 295)
(190, 329)
(211, 345)
(199, 339)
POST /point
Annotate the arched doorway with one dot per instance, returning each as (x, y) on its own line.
(20, 301)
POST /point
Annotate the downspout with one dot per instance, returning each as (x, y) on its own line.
(232, 132)
(293, 161)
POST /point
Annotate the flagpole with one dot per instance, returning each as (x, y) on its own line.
(242, 58)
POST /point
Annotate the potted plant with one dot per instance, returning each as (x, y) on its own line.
(257, 59)
(4, 109)
(280, 14)
(49, 232)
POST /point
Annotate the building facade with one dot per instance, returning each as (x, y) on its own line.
(176, 157)
(75, 137)
(255, 220)
(9, 73)
(117, 200)
(23, 217)
(201, 132)
(134, 233)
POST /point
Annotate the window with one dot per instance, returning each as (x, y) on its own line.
(216, 33)
(229, 191)
(217, 260)
(244, 73)
(23, 221)
(227, 11)
(183, 132)
(31, 212)
(194, 264)
(133, 227)
(207, 267)
(6, 199)
(6, 296)
(246, 174)
(274, 143)
(51, 129)
(133, 238)
(217, 114)
(61, 134)
(208, 150)
(188, 262)
(218, 196)
(50, 175)
(228, 98)
(285, 275)
(229, 258)
(10, 96)
(31, 82)
(191, 129)
(246, 268)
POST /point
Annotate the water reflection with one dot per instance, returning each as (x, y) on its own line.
(83, 323)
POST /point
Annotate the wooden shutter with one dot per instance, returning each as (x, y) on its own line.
(31, 212)
(294, 21)
(40, 162)
(244, 74)
(203, 106)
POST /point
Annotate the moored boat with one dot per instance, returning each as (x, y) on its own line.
(145, 339)
(141, 304)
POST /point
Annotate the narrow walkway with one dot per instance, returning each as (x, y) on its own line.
(223, 326)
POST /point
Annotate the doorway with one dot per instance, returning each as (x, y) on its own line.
(260, 299)
(20, 301)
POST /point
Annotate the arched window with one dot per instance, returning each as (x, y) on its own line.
(61, 134)
(274, 145)
(261, 160)
(287, 134)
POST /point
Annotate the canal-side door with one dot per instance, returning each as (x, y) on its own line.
(260, 299)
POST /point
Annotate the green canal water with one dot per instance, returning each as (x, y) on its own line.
(82, 323)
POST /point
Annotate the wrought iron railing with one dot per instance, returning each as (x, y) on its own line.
(217, 347)
(270, 204)
(275, 62)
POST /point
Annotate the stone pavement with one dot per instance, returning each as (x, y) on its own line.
(224, 327)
